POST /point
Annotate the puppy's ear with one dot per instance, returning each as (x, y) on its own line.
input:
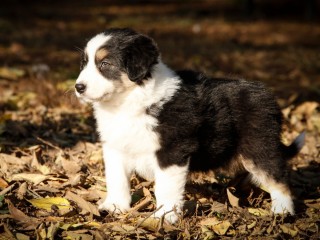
(140, 55)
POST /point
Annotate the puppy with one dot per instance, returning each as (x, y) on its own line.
(162, 124)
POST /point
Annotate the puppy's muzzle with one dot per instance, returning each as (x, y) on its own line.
(80, 88)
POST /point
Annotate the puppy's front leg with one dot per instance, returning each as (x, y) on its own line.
(118, 182)
(169, 188)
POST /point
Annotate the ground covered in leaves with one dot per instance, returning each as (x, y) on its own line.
(51, 170)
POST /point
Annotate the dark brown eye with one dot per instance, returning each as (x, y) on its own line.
(104, 64)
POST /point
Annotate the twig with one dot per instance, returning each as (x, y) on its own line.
(7, 189)
(148, 216)
(48, 143)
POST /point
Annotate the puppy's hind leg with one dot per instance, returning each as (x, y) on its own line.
(272, 177)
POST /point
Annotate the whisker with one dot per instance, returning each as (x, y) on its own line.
(80, 50)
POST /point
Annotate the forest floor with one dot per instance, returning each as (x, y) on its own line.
(51, 168)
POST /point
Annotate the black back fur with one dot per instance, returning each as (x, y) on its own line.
(211, 121)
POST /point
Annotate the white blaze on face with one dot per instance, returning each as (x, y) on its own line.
(97, 86)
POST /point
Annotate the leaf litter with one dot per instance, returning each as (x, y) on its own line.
(51, 169)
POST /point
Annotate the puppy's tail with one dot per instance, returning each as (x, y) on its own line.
(295, 147)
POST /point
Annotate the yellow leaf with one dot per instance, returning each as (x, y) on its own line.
(47, 203)
(21, 236)
(206, 233)
(286, 229)
(259, 212)
(221, 228)
(252, 225)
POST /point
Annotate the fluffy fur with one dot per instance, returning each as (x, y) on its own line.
(162, 124)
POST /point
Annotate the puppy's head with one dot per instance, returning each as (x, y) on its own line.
(113, 62)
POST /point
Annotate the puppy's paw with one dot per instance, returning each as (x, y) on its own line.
(114, 207)
(282, 203)
(282, 207)
(171, 213)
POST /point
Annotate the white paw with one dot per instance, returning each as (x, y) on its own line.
(282, 207)
(282, 203)
(171, 213)
(116, 207)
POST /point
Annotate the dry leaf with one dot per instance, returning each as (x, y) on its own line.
(22, 190)
(83, 204)
(30, 177)
(207, 234)
(234, 201)
(210, 221)
(258, 212)
(220, 227)
(10, 159)
(74, 235)
(28, 222)
(313, 203)
(70, 167)
(21, 236)
(47, 203)
(286, 228)
(151, 224)
(3, 183)
(252, 225)
(218, 207)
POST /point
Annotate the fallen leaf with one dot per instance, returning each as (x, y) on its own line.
(29, 223)
(30, 177)
(220, 227)
(22, 191)
(313, 203)
(151, 224)
(119, 227)
(234, 201)
(11, 73)
(286, 228)
(3, 183)
(48, 203)
(21, 236)
(252, 225)
(74, 235)
(218, 207)
(41, 232)
(259, 212)
(70, 167)
(52, 230)
(207, 233)
(83, 204)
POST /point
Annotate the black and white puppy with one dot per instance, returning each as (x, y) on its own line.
(162, 124)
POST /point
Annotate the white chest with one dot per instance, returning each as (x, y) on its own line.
(128, 132)
(133, 136)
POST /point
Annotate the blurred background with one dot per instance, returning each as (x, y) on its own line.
(277, 42)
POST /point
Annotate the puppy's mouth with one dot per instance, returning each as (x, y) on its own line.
(104, 98)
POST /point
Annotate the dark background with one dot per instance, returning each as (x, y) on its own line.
(272, 41)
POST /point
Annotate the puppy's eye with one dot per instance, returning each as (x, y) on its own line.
(104, 64)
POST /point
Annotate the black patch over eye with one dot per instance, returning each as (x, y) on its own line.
(84, 61)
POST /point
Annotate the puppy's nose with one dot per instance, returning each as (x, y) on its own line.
(80, 87)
